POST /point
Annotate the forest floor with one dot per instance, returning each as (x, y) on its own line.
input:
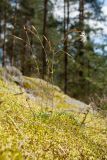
(38, 121)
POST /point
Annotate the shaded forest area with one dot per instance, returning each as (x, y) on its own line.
(66, 50)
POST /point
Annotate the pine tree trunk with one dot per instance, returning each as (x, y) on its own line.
(80, 57)
(81, 27)
(13, 43)
(24, 51)
(0, 30)
(44, 63)
(66, 28)
(4, 41)
(81, 15)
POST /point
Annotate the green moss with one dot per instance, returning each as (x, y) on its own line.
(31, 129)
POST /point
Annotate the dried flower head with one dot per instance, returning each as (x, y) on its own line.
(83, 37)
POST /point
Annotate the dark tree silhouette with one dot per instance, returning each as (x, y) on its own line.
(66, 28)
(44, 63)
(13, 32)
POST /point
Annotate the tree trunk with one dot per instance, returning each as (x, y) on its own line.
(66, 28)
(44, 63)
(0, 30)
(81, 27)
(24, 51)
(13, 43)
(81, 15)
(80, 55)
(4, 41)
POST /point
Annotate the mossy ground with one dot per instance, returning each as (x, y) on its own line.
(33, 128)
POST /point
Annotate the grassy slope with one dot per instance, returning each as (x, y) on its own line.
(31, 129)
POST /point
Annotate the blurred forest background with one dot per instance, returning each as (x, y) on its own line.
(46, 39)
